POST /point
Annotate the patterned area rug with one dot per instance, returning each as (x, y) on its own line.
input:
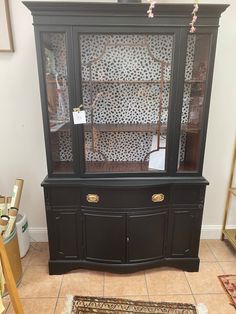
(80, 305)
(229, 284)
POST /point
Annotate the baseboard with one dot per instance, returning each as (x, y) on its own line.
(213, 231)
(208, 232)
(38, 234)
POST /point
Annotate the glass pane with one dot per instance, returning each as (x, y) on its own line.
(193, 101)
(55, 68)
(126, 83)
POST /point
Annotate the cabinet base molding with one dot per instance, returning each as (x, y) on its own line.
(61, 267)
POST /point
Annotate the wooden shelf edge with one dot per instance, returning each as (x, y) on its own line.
(231, 236)
(233, 191)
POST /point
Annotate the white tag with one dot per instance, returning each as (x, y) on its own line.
(79, 117)
(157, 159)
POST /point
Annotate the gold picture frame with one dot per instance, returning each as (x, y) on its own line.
(6, 39)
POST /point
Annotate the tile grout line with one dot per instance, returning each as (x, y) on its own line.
(146, 285)
(190, 287)
(221, 267)
(212, 251)
(7, 308)
(59, 291)
(103, 290)
(217, 260)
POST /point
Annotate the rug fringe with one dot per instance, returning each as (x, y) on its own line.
(68, 305)
(201, 308)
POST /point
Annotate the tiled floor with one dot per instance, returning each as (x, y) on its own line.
(41, 293)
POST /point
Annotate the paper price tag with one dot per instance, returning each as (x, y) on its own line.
(79, 117)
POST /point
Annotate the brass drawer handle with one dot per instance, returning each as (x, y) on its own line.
(157, 198)
(92, 198)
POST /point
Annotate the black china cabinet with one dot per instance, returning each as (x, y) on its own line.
(125, 102)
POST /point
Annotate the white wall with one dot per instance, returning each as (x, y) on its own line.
(22, 152)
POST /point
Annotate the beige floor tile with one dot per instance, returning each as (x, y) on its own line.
(37, 282)
(216, 303)
(206, 280)
(178, 298)
(125, 285)
(205, 254)
(229, 268)
(136, 298)
(36, 306)
(60, 305)
(222, 250)
(6, 302)
(39, 254)
(25, 261)
(6, 298)
(83, 282)
(165, 281)
(34, 249)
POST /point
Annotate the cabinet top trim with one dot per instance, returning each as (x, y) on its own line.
(121, 182)
(120, 9)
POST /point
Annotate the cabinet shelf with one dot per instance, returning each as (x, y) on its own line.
(138, 81)
(126, 127)
(230, 235)
(59, 126)
(117, 166)
(194, 81)
(125, 82)
(233, 191)
(148, 127)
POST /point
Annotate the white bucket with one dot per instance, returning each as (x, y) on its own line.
(22, 229)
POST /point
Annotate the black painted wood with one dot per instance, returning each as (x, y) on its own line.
(65, 227)
(116, 9)
(125, 231)
(104, 237)
(183, 233)
(146, 236)
(58, 267)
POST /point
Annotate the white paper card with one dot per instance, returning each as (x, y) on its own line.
(79, 117)
(157, 159)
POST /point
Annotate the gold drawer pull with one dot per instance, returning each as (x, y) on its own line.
(92, 198)
(157, 198)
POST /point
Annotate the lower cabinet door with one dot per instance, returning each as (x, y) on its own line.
(186, 233)
(65, 242)
(147, 233)
(104, 237)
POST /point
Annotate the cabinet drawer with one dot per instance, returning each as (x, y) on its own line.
(62, 196)
(125, 198)
(185, 194)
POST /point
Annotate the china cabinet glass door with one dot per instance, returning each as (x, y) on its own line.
(126, 81)
(58, 113)
(196, 69)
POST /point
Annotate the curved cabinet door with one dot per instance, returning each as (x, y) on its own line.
(146, 235)
(104, 237)
(186, 233)
(66, 234)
